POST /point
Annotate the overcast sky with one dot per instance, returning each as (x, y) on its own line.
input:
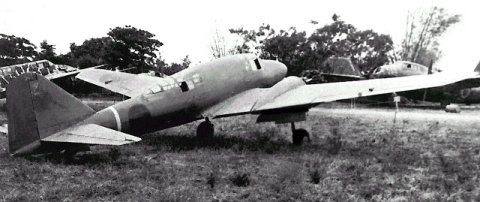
(187, 27)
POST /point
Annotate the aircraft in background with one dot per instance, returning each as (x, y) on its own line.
(334, 69)
(45, 118)
(467, 93)
(402, 68)
(43, 67)
(337, 69)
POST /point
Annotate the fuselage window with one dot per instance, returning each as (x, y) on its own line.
(257, 64)
(197, 79)
(156, 89)
(18, 69)
(184, 86)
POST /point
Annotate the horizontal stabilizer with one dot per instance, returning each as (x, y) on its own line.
(91, 134)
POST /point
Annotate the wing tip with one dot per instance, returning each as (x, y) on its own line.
(131, 139)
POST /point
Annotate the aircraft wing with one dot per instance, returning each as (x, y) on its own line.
(91, 134)
(309, 95)
(239, 104)
(127, 84)
(60, 75)
(64, 74)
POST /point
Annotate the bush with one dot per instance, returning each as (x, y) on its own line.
(211, 179)
(315, 176)
(240, 179)
(318, 171)
(334, 144)
(114, 153)
(288, 175)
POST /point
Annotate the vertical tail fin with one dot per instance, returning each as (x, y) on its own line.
(36, 109)
(477, 69)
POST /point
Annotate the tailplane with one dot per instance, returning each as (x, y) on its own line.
(37, 109)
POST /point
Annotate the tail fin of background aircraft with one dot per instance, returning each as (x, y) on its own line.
(36, 109)
(477, 69)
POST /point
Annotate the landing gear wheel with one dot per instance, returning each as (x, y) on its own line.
(205, 130)
(298, 135)
(71, 151)
(444, 103)
(68, 156)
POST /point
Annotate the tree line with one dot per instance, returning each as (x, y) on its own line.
(131, 48)
(122, 48)
(366, 48)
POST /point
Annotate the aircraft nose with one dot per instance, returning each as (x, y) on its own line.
(275, 71)
(282, 69)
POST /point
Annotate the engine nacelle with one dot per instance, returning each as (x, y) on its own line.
(469, 95)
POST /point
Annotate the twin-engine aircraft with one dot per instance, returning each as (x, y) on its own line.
(466, 92)
(44, 118)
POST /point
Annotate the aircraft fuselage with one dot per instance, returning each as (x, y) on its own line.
(182, 97)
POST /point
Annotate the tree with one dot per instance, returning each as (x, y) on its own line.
(252, 39)
(186, 62)
(47, 52)
(370, 49)
(219, 47)
(14, 50)
(367, 49)
(132, 47)
(288, 47)
(92, 52)
(424, 27)
(162, 68)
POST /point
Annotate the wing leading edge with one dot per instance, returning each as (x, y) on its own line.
(309, 95)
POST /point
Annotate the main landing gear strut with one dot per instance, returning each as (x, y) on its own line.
(298, 135)
(205, 130)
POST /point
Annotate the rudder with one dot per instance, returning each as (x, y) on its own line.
(36, 109)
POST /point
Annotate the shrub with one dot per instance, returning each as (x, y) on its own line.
(318, 171)
(315, 176)
(114, 153)
(211, 179)
(334, 142)
(288, 175)
(240, 179)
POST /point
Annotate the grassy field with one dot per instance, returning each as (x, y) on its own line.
(352, 157)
